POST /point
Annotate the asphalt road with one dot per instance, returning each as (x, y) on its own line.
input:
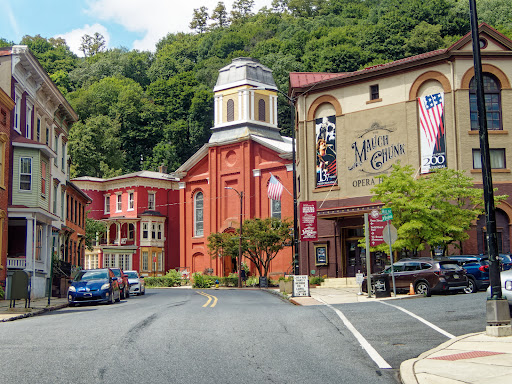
(226, 336)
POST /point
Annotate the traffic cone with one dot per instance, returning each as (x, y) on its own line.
(411, 289)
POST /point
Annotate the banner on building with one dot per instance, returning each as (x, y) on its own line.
(326, 172)
(308, 221)
(432, 132)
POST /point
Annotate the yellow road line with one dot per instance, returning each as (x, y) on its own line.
(210, 298)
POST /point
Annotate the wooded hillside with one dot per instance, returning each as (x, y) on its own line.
(141, 109)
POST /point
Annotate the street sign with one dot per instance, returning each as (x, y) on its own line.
(376, 228)
(300, 285)
(387, 214)
(390, 234)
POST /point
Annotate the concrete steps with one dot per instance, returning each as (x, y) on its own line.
(341, 282)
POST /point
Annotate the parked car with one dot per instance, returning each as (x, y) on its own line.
(426, 275)
(506, 286)
(93, 286)
(505, 261)
(136, 283)
(477, 270)
(124, 286)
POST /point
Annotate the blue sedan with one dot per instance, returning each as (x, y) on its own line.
(94, 286)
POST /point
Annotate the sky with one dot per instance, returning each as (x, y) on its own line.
(132, 24)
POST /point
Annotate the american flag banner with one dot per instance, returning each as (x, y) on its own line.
(275, 188)
(432, 132)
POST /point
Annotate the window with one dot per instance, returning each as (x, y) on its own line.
(47, 138)
(154, 261)
(131, 231)
(159, 232)
(130, 201)
(28, 125)
(3, 146)
(26, 173)
(374, 92)
(55, 191)
(38, 133)
(106, 260)
(17, 113)
(119, 205)
(63, 157)
(492, 95)
(153, 231)
(151, 201)
(145, 261)
(56, 149)
(198, 214)
(43, 178)
(231, 110)
(91, 261)
(261, 110)
(145, 230)
(160, 261)
(62, 202)
(497, 158)
(107, 204)
(275, 208)
(39, 241)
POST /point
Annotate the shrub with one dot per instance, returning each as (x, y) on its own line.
(230, 281)
(203, 281)
(316, 280)
(2, 293)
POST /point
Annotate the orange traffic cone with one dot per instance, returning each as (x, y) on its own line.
(411, 289)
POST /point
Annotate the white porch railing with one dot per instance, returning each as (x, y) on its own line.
(16, 263)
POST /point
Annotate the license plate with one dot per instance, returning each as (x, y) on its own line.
(455, 276)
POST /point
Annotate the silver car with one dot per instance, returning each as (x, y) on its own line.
(506, 286)
(136, 283)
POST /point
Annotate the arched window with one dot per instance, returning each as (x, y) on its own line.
(231, 110)
(198, 214)
(492, 94)
(261, 110)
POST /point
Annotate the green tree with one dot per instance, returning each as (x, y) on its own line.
(92, 45)
(199, 19)
(261, 242)
(93, 228)
(434, 210)
(220, 16)
(242, 10)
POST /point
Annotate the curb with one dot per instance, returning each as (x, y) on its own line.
(35, 313)
(407, 374)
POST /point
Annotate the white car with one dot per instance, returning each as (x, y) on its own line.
(136, 283)
(506, 286)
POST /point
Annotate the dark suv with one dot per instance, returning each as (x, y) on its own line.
(124, 285)
(426, 276)
(477, 269)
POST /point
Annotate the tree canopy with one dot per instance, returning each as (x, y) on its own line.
(164, 99)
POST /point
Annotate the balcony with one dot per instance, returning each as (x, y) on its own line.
(16, 263)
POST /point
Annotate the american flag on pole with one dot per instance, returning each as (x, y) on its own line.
(275, 188)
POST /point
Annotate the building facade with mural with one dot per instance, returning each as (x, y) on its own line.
(355, 126)
(244, 150)
(140, 211)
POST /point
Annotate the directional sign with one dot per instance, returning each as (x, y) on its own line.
(376, 228)
(387, 214)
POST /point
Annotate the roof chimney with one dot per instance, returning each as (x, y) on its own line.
(162, 168)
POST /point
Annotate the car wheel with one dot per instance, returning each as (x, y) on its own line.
(111, 299)
(422, 288)
(127, 294)
(471, 288)
(122, 294)
(71, 304)
(118, 297)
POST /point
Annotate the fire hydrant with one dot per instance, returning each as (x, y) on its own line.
(216, 283)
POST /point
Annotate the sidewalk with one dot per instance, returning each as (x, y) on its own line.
(37, 306)
(468, 359)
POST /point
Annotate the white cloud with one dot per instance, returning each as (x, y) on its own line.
(74, 37)
(154, 18)
(12, 19)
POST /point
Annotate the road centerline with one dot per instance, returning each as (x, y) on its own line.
(426, 322)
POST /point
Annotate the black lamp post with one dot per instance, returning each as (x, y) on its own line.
(241, 196)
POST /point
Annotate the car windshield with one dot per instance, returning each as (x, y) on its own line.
(91, 275)
(132, 275)
(117, 272)
(505, 258)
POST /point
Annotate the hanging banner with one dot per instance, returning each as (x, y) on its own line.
(326, 172)
(308, 222)
(432, 132)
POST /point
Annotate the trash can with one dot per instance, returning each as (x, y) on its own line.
(381, 286)
(20, 288)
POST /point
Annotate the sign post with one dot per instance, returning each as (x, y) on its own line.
(367, 233)
(387, 215)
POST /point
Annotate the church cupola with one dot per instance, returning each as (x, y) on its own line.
(245, 102)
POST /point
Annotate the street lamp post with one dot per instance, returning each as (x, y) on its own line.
(241, 196)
